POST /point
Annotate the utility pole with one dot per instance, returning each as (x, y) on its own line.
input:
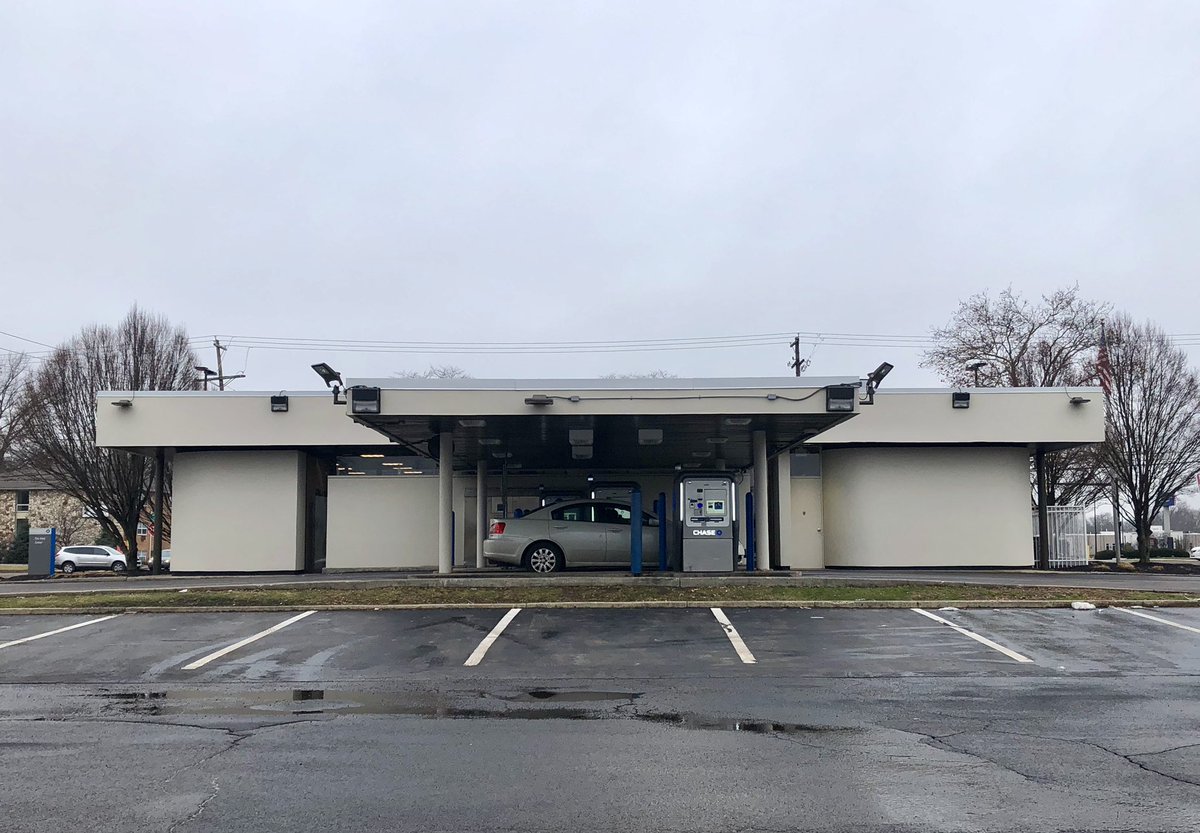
(220, 376)
(220, 368)
(798, 365)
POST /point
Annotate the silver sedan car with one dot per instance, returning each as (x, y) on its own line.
(587, 533)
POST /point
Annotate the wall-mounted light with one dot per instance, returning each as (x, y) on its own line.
(960, 399)
(539, 399)
(1079, 400)
(279, 404)
(122, 403)
(364, 400)
(839, 398)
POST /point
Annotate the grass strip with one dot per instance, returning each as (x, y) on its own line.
(324, 596)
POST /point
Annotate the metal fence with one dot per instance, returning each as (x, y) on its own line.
(1068, 536)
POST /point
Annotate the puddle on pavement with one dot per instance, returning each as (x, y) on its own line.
(541, 695)
(304, 702)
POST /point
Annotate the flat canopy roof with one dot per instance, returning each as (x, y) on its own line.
(553, 424)
(702, 421)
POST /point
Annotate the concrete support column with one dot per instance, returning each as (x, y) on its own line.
(782, 511)
(481, 513)
(445, 500)
(762, 502)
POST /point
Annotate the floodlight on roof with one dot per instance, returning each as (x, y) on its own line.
(877, 375)
(328, 374)
(874, 378)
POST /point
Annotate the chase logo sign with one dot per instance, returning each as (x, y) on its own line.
(707, 533)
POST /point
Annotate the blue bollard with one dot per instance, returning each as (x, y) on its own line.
(751, 555)
(635, 532)
(662, 532)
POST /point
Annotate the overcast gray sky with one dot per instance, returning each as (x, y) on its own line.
(553, 171)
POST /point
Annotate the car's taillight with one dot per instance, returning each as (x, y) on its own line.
(497, 528)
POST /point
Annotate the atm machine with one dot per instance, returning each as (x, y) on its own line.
(708, 542)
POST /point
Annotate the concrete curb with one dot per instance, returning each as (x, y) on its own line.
(474, 583)
(985, 604)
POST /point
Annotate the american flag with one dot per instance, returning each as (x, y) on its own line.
(1103, 365)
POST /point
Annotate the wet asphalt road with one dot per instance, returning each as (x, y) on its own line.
(631, 720)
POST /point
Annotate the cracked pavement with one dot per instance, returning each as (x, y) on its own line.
(606, 721)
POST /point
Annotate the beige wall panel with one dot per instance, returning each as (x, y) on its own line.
(927, 507)
(196, 418)
(386, 523)
(237, 511)
(996, 415)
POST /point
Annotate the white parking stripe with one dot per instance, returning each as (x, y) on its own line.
(1133, 613)
(478, 654)
(60, 630)
(192, 666)
(982, 639)
(734, 636)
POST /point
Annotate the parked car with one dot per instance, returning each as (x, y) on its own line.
(144, 560)
(70, 559)
(1195, 553)
(586, 533)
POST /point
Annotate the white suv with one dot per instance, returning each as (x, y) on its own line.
(70, 559)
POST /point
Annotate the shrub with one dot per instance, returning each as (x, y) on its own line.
(16, 550)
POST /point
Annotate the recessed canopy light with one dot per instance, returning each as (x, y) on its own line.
(737, 420)
(490, 441)
(473, 423)
(718, 440)
(514, 465)
(701, 453)
(501, 455)
(371, 456)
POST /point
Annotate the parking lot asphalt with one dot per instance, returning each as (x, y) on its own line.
(683, 719)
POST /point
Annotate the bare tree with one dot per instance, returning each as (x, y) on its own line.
(143, 352)
(13, 369)
(435, 371)
(1153, 431)
(1022, 343)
